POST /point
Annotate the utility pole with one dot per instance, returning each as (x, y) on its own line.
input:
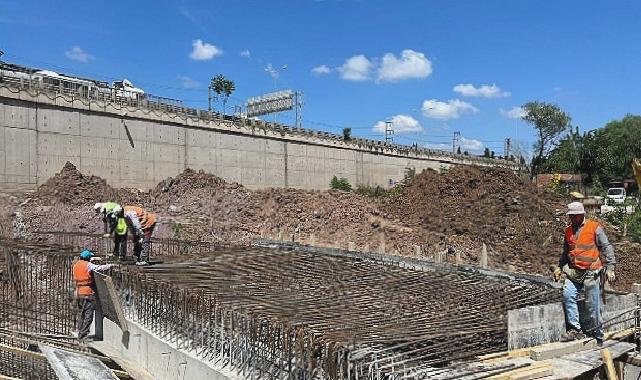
(298, 105)
(389, 131)
(507, 149)
(209, 98)
(456, 141)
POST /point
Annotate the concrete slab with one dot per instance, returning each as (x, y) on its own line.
(74, 366)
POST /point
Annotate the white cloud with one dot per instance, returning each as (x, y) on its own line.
(246, 54)
(452, 109)
(410, 65)
(356, 68)
(77, 54)
(321, 70)
(203, 51)
(514, 113)
(188, 83)
(400, 124)
(471, 145)
(484, 91)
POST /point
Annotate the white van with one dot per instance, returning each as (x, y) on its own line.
(616, 195)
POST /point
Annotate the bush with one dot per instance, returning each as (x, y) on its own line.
(634, 226)
(340, 184)
(371, 191)
(408, 177)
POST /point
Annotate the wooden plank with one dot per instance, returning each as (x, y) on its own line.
(558, 349)
(616, 335)
(109, 301)
(499, 356)
(608, 364)
(540, 351)
(534, 371)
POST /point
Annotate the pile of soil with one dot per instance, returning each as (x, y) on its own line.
(521, 224)
(450, 214)
(65, 203)
(71, 187)
(627, 268)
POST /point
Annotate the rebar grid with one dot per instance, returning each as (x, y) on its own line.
(21, 365)
(103, 246)
(36, 289)
(284, 314)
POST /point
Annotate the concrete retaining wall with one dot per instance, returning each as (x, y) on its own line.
(139, 147)
(535, 325)
(145, 353)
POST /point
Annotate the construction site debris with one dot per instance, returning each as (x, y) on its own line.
(445, 216)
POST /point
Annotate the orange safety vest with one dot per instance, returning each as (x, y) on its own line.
(83, 279)
(582, 250)
(147, 219)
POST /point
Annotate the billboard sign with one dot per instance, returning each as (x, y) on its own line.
(270, 103)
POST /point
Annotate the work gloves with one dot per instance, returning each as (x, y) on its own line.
(609, 275)
(557, 274)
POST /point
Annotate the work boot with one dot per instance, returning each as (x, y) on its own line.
(572, 334)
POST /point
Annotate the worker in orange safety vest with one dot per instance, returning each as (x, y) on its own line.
(83, 276)
(587, 256)
(141, 223)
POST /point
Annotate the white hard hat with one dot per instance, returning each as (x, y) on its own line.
(98, 207)
(575, 208)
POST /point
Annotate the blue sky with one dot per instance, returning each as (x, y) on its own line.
(433, 67)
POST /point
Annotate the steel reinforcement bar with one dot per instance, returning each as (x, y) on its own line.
(36, 288)
(103, 246)
(284, 314)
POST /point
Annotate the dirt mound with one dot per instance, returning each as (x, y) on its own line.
(627, 268)
(487, 205)
(71, 187)
(449, 214)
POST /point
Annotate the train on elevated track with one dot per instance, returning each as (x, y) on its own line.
(122, 90)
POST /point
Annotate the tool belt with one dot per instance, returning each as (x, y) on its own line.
(580, 275)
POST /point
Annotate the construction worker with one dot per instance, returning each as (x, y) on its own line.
(586, 252)
(83, 275)
(142, 224)
(114, 221)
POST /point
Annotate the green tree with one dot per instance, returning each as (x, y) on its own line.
(550, 122)
(344, 184)
(347, 134)
(486, 153)
(614, 147)
(602, 155)
(222, 87)
(334, 184)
